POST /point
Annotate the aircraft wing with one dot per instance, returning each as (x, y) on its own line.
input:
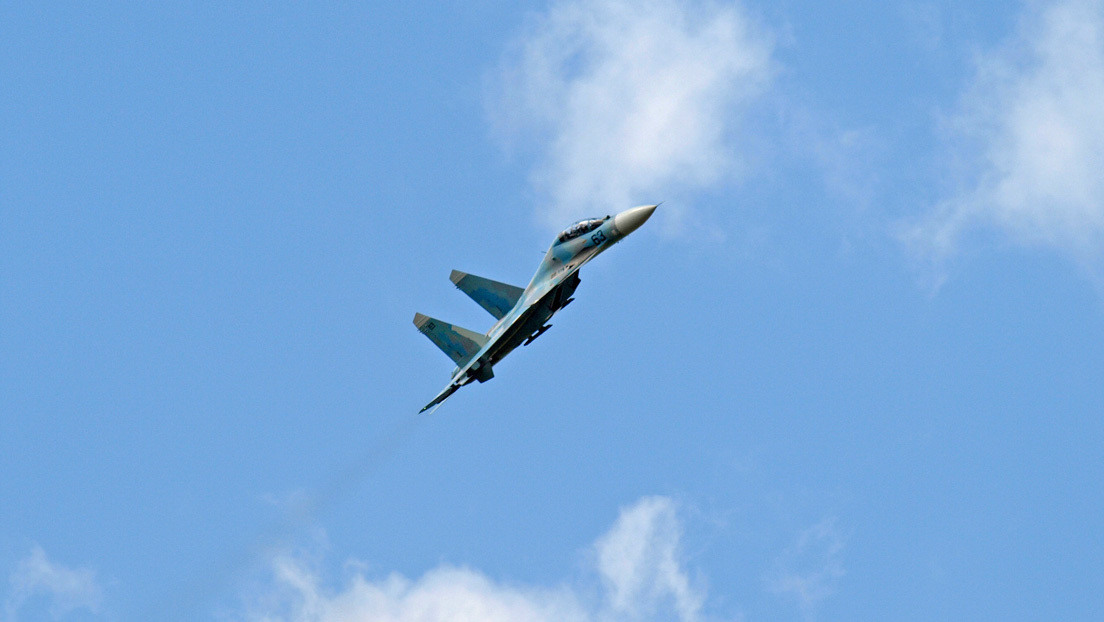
(441, 397)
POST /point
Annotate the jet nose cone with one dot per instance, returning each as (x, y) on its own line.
(629, 220)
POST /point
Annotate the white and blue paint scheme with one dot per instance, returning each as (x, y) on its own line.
(522, 313)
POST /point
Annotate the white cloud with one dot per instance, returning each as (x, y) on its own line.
(627, 102)
(1030, 139)
(65, 590)
(811, 568)
(637, 562)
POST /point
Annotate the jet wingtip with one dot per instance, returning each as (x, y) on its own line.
(431, 407)
(440, 399)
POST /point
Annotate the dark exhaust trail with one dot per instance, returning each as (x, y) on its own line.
(354, 474)
(244, 560)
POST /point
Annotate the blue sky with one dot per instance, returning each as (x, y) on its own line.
(850, 370)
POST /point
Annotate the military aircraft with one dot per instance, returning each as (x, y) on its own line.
(522, 313)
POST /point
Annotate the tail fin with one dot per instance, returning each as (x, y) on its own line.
(497, 298)
(459, 343)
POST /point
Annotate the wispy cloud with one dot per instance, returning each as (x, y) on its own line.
(810, 569)
(637, 563)
(65, 590)
(627, 102)
(1029, 140)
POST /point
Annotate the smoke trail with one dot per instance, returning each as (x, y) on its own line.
(244, 558)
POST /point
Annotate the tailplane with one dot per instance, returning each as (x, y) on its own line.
(460, 344)
(497, 298)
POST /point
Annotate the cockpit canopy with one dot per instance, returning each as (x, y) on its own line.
(579, 228)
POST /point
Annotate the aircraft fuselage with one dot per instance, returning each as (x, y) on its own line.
(550, 290)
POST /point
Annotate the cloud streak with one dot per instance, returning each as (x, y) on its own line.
(637, 563)
(1029, 140)
(65, 590)
(627, 102)
(810, 569)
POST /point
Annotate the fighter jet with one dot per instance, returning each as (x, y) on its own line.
(523, 314)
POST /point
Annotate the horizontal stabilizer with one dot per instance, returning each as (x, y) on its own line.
(460, 344)
(497, 298)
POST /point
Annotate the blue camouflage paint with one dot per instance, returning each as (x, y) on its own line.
(522, 321)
